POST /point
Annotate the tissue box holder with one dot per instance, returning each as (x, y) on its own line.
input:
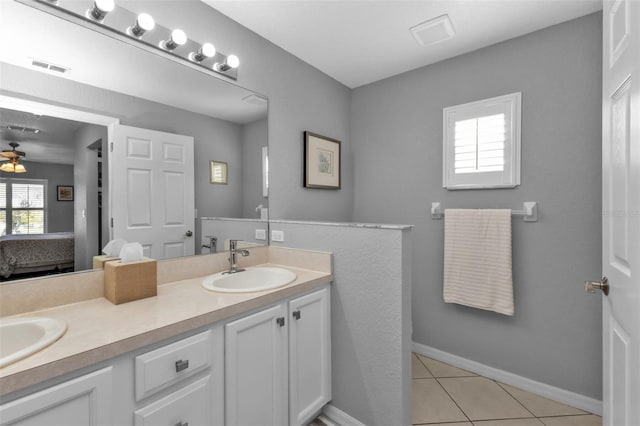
(99, 261)
(126, 282)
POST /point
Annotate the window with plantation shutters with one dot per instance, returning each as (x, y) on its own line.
(482, 144)
(23, 206)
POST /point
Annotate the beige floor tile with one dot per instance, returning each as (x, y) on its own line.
(431, 404)
(509, 422)
(482, 399)
(588, 420)
(440, 369)
(418, 368)
(540, 406)
(452, 424)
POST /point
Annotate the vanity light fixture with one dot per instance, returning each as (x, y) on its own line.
(144, 22)
(177, 39)
(113, 20)
(205, 51)
(100, 9)
(230, 62)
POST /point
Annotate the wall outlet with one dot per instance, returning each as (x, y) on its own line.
(277, 236)
(261, 234)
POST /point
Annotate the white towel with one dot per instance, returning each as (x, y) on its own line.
(477, 259)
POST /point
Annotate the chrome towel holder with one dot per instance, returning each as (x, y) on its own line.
(529, 211)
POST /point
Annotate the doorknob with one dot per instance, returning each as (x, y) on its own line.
(592, 286)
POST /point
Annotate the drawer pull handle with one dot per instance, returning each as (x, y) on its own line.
(280, 321)
(182, 424)
(181, 365)
(296, 314)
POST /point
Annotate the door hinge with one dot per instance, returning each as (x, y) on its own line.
(112, 222)
(111, 146)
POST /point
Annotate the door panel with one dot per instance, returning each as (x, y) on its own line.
(153, 199)
(621, 212)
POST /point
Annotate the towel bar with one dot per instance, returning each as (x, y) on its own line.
(529, 211)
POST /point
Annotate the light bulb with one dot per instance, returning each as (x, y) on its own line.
(178, 38)
(100, 9)
(144, 23)
(207, 50)
(232, 61)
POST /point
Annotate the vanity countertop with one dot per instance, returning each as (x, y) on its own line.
(97, 330)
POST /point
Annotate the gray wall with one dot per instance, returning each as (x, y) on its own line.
(370, 317)
(555, 335)
(60, 213)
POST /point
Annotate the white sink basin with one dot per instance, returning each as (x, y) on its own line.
(21, 337)
(257, 278)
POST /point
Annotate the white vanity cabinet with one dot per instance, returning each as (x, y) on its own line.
(278, 361)
(83, 401)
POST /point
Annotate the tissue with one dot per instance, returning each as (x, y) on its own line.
(131, 252)
(113, 247)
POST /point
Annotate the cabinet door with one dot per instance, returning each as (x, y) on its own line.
(255, 369)
(83, 401)
(309, 355)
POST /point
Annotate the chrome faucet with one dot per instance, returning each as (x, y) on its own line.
(233, 257)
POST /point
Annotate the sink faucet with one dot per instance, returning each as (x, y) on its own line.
(233, 257)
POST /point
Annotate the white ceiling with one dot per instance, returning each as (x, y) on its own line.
(361, 41)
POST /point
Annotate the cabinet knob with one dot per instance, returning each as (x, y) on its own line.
(182, 365)
(296, 314)
(280, 321)
(182, 424)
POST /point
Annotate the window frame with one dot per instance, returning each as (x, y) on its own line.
(509, 177)
(9, 200)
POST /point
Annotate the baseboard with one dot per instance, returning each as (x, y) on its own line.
(557, 394)
(339, 417)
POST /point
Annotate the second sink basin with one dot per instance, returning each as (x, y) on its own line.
(21, 337)
(257, 278)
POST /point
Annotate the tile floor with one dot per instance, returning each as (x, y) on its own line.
(446, 395)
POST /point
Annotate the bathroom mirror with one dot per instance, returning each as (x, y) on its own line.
(113, 79)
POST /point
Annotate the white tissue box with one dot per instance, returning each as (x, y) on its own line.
(126, 282)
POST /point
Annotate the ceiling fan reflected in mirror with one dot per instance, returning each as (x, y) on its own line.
(12, 156)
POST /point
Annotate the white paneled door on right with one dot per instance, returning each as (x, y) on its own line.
(152, 190)
(621, 212)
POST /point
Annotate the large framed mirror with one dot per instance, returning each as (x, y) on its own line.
(78, 88)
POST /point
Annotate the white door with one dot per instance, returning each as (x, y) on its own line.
(255, 369)
(152, 191)
(309, 356)
(621, 212)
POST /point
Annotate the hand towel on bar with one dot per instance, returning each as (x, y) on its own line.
(477, 259)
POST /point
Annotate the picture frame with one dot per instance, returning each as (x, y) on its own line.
(218, 172)
(65, 192)
(321, 161)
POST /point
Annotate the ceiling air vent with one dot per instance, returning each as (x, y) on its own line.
(255, 100)
(39, 63)
(433, 31)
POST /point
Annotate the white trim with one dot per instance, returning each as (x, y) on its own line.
(340, 417)
(557, 394)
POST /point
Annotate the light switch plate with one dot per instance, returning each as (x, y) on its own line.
(261, 234)
(277, 236)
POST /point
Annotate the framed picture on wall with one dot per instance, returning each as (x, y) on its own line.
(218, 172)
(65, 193)
(321, 161)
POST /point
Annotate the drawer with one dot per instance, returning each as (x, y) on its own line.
(165, 366)
(190, 405)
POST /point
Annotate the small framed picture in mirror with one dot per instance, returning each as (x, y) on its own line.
(218, 172)
(65, 193)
